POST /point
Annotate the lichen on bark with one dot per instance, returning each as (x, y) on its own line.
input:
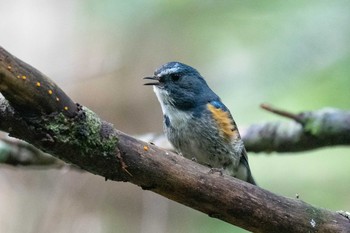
(82, 133)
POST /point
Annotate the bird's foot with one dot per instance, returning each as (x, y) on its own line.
(216, 170)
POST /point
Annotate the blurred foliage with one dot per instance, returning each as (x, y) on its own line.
(292, 54)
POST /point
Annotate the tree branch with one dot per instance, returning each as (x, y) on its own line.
(30, 90)
(309, 130)
(83, 139)
(16, 152)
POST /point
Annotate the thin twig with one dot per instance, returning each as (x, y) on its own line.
(283, 113)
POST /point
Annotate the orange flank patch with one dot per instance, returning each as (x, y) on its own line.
(223, 120)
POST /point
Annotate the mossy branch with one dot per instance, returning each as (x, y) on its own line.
(307, 131)
(84, 140)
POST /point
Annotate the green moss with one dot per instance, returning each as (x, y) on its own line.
(316, 216)
(325, 121)
(313, 126)
(82, 133)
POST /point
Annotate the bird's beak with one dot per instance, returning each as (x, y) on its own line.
(152, 83)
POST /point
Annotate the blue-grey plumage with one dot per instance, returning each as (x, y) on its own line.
(197, 123)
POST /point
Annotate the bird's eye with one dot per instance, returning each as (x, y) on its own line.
(175, 77)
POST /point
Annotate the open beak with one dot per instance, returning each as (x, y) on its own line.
(152, 83)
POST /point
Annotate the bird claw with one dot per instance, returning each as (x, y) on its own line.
(216, 170)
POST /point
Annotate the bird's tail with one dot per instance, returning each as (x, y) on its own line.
(250, 178)
(248, 174)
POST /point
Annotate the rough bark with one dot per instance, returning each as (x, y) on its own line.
(81, 138)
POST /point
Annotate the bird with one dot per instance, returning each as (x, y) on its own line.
(196, 122)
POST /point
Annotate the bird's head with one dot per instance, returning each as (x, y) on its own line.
(180, 85)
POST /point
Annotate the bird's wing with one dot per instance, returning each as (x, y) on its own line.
(222, 116)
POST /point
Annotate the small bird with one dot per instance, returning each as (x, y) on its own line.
(197, 123)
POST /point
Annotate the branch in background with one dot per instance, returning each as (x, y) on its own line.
(20, 153)
(94, 145)
(309, 130)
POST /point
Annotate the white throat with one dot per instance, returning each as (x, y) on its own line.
(176, 116)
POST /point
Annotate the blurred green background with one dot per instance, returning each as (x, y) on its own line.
(291, 54)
